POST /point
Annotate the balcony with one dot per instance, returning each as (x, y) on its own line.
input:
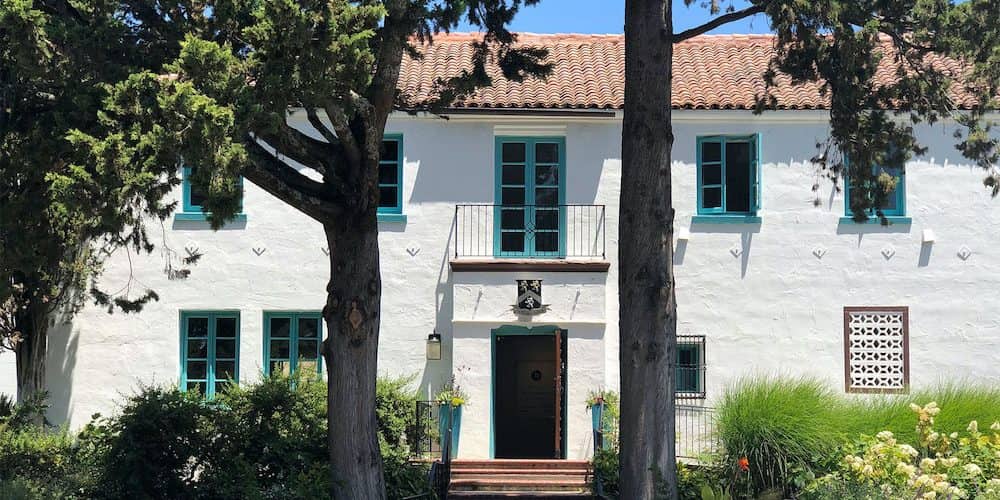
(563, 237)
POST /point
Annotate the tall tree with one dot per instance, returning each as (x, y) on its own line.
(838, 43)
(221, 79)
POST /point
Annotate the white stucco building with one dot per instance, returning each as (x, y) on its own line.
(767, 280)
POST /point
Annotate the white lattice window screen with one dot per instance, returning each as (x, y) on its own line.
(876, 350)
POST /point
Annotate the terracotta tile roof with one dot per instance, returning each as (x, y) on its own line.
(710, 72)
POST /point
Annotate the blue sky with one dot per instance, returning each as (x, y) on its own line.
(608, 16)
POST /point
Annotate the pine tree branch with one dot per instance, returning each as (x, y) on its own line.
(284, 182)
(719, 21)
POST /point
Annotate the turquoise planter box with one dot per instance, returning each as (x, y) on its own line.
(448, 414)
(596, 414)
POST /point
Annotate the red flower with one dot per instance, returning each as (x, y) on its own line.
(743, 463)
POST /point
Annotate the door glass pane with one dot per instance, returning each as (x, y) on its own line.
(225, 327)
(512, 242)
(279, 349)
(547, 197)
(513, 152)
(512, 219)
(711, 174)
(197, 327)
(388, 174)
(711, 151)
(712, 198)
(387, 196)
(512, 196)
(738, 180)
(512, 174)
(197, 370)
(197, 348)
(547, 175)
(547, 242)
(308, 349)
(546, 219)
(225, 370)
(225, 348)
(308, 327)
(280, 327)
(546, 152)
(390, 151)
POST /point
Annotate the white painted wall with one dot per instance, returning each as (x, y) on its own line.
(774, 307)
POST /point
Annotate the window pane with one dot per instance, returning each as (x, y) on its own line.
(225, 348)
(513, 174)
(308, 366)
(546, 219)
(687, 355)
(280, 327)
(197, 348)
(225, 370)
(711, 198)
(225, 327)
(738, 180)
(547, 197)
(197, 197)
(199, 387)
(546, 153)
(197, 370)
(308, 349)
(512, 196)
(547, 242)
(280, 367)
(387, 196)
(512, 242)
(197, 327)
(547, 175)
(512, 219)
(390, 150)
(308, 327)
(890, 203)
(388, 174)
(711, 174)
(279, 349)
(711, 151)
(513, 152)
(222, 387)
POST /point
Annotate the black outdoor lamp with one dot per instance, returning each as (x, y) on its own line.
(434, 346)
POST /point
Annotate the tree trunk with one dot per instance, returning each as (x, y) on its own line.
(648, 321)
(351, 351)
(31, 352)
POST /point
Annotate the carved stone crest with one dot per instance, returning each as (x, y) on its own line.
(529, 297)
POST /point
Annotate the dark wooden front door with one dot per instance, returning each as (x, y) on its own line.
(528, 396)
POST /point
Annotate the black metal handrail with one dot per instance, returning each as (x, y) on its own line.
(530, 231)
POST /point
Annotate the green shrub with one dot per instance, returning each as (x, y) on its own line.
(781, 426)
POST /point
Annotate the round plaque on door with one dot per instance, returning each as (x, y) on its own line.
(536, 375)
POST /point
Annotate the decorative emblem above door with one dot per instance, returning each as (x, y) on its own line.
(529, 297)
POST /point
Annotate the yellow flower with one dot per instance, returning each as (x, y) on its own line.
(973, 426)
(457, 401)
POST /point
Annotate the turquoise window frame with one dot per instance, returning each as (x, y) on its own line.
(293, 338)
(529, 187)
(511, 330)
(192, 212)
(755, 178)
(211, 359)
(897, 214)
(696, 344)
(387, 213)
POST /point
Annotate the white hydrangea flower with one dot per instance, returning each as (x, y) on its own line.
(927, 463)
(973, 426)
(973, 469)
(884, 435)
(909, 450)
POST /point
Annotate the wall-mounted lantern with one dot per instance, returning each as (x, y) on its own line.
(434, 346)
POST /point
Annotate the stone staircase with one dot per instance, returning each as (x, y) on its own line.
(526, 479)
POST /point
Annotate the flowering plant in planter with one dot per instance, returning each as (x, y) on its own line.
(452, 394)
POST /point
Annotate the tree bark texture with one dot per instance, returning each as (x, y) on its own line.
(351, 350)
(648, 321)
(31, 355)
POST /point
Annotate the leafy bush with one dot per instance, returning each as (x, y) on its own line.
(262, 441)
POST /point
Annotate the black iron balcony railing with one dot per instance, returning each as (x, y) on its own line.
(530, 231)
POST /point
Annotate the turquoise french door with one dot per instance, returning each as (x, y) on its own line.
(530, 217)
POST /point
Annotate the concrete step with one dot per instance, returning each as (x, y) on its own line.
(567, 478)
(506, 495)
(520, 464)
(528, 484)
(512, 470)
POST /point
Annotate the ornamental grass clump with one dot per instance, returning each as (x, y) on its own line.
(779, 428)
(939, 465)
